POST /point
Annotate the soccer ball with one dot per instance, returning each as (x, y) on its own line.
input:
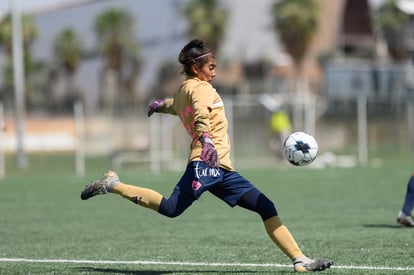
(300, 148)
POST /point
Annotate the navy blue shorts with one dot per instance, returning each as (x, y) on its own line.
(198, 177)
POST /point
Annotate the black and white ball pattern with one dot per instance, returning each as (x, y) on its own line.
(300, 148)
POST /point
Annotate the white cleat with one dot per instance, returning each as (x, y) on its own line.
(101, 186)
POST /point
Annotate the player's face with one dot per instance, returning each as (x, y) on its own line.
(208, 71)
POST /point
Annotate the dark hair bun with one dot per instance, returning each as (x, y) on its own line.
(184, 57)
(195, 43)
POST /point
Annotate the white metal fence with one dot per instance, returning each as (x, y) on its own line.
(160, 142)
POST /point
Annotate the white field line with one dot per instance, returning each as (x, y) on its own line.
(68, 261)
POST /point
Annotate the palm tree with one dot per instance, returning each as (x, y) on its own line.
(68, 50)
(114, 30)
(68, 53)
(296, 21)
(391, 20)
(207, 21)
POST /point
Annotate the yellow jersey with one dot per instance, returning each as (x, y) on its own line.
(201, 110)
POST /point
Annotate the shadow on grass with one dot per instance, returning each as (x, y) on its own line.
(152, 272)
(393, 226)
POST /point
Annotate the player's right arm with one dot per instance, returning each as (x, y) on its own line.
(161, 106)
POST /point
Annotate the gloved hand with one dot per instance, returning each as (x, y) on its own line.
(155, 106)
(208, 152)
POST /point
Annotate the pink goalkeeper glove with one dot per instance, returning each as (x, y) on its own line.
(208, 152)
(155, 106)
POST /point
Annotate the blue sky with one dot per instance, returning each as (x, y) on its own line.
(35, 5)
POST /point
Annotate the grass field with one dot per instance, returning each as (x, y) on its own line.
(346, 214)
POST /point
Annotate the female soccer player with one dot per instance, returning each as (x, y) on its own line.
(404, 217)
(201, 111)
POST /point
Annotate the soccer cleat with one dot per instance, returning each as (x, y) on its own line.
(405, 220)
(304, 264)
(100, 187)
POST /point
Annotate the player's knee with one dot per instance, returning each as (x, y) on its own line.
(256, 201)
(170, 208)
(169, 211)
(265, 207)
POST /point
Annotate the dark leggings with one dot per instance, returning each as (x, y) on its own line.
(175, 204)
(256, 201)
(252, 200)
(409, 198)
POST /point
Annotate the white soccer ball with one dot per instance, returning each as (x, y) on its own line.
(300, 148)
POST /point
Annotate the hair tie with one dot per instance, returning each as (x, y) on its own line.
(193, 60)
(201, 56)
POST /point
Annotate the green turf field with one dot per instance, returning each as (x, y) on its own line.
(346, 214)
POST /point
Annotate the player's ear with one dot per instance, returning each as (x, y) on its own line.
(195, 69)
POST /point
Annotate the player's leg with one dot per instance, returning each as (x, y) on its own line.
(110, 183)
(176, 204)
(236, 190)
(409, 197)
(172, 207)
(256, 201)
(404, 217)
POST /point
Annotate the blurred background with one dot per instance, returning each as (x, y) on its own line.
(76, 78)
